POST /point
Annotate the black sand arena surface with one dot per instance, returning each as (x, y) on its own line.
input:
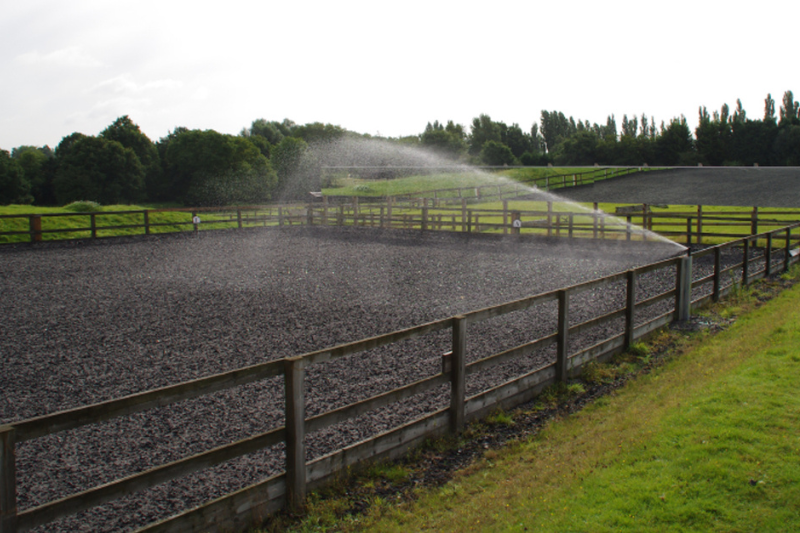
(89, 322)
(734, 186)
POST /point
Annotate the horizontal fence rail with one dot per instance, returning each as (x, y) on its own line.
(243, 508)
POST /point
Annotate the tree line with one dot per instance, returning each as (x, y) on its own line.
(272, 160)
(721, 138)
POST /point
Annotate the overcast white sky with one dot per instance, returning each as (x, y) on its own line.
(383, 68)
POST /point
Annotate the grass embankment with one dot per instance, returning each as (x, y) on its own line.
(709, 440)
(444, 181)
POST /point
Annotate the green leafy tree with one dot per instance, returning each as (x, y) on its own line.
(298, 171)
(786, 148)
(752, 142)
(495, 153)
(610, 129)
(261, 143)
(537, 141)
(790, 110)
(626, 151)
(483, 131)
(556, 128)
(14, 188)
(630, 127)
(272, 131)
(578, 149)
(517, 140)
(713, 137)
(448, 141)
(210, 168)
(39, 165)
(769, 109)
(124, 131)
(97, 169)
(675, 145)
(317, 132)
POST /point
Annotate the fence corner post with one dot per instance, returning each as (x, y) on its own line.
(562, 344)
(294, 375)
(8, 480)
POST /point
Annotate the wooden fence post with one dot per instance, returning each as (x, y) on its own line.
(147, 222)
(562, 344)
(464, 215)
(717, 272)
(93, 225)
(35, 225)
(8, 480)
(594, 220)
(754, 221)
(280, 216)
(239, 217)
(505, 217)
(699, 224)
(424, 223)
(689, 230)
(516, 222)
(768, 256)
(469, 221)
(549, 218)
(458, 374)
(787, 249)
(745, 262)
(630, 309)
(628, 227)
(294, 374)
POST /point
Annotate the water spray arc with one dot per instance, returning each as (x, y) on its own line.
(362, 163)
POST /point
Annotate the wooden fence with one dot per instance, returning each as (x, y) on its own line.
(697, 225)
(241, 509)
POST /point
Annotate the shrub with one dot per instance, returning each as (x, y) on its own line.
(84, 206)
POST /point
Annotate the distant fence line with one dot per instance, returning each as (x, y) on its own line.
(243, 508)
(558, 219)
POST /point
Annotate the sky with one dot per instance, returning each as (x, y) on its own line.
(382, 68)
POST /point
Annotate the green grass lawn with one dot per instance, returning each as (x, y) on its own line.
(709, 441)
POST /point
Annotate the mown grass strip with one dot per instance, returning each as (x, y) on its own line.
(708, 442)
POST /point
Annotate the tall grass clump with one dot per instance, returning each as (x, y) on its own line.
(84, 206)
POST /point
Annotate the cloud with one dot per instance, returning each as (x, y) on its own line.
(72, 56)
(124, 84)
